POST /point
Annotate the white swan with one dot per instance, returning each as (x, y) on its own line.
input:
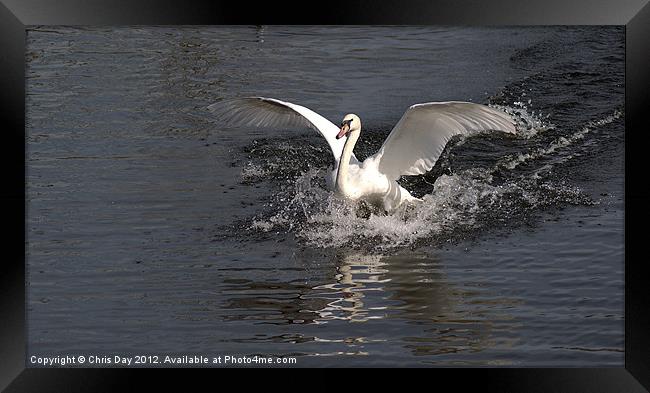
(412, 148)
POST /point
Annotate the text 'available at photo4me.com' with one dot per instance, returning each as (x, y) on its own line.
(158, 360)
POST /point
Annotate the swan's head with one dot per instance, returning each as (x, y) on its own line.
(350, 123)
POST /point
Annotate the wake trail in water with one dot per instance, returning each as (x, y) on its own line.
(560, 142)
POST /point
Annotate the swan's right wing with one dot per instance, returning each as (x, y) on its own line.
(269, 112)
(418, 139)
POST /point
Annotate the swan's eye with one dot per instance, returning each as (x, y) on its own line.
(348, 122)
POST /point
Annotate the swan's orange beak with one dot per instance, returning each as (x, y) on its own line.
(345, 128)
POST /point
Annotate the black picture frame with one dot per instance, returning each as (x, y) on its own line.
(15, 15)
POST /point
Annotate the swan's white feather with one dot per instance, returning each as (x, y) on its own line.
(417, 140)
(270, 112)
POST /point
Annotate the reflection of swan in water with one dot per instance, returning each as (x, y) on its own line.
(412, 148)
(358, 309)
(374, 289)
(260, 33)
(356, 275)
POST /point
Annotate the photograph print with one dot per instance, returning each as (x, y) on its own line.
(325, 196)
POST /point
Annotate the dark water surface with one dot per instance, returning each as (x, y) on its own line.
(153, 229)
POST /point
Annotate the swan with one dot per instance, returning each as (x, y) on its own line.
(411, 148)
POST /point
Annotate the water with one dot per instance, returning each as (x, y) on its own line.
(153, 229)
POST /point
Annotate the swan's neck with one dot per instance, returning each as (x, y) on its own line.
(344, 163)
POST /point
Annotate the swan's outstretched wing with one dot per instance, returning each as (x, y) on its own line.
(418, 139)
(269, 112)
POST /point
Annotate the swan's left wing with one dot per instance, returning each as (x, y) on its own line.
(270, 112)
(418, 139)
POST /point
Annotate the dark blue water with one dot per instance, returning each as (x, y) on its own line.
(154, 229)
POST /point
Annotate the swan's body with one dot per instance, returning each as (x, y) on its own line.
(355, 181)
(412, 147)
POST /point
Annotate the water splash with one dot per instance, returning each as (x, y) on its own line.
(461, 203)
(528, 123)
